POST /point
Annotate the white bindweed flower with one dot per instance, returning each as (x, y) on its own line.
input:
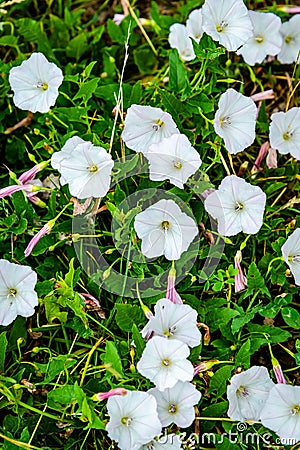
(179, 39)
(281, 412)
(248, 392)
(227, 21)
(290, 32)
(174, 159)
(165, 230)
(176, 404)
(291, 254)
(84, 167)
(235, 120)
(133, 419)
(174, 321)
(17, 294)
(146, 125)
(164, 362)
(35, 83)
(285, 132)
(165, 442)
(194, 25)
(237, 206)
(266, 39)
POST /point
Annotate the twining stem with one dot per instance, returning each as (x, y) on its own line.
(134, 16)
(18, 444)
(87, 363)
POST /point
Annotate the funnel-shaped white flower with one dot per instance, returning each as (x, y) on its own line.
(84, 167)
(235, 120)
(35, 83)
(290, 32)
(291, 254)
(281, 412)
(227, 21)
(174, 321)
(174, 159)
(164, 362)
(285, 132)
(146, 125)
(165, 230)
(179, 39)
(237, 206)
(176, 404)
(17, 294)
(248, 392)
(133, 419)
(266, 39)
(194, 25)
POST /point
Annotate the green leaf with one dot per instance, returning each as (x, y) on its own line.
(3, 346)
(291, 317)
(77, 46)
(138, 340)
(145, 59)
(219, 380)
(10, 41)
(21, 226)
(87, 89)
(88, 69)
(112, 358)
(115, 32)
(256, 280)
(242, 358)
(177, 76)
(64, 395)
(52, 309)
(128, 315)
(44, 287)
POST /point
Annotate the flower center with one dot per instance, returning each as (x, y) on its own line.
(221, 26)
(242, 391)
(166, 362)
(170, 332)
(259, 39)
(295, 410)
(294, 258)
(287, 135)
(288, 39)
(238, 206)
(42, 86)
(177, 165)
(158, 124)
(126, 421)
(12, 292)
(93, 168)
(165, 224)
(172, 409)
(225, 121)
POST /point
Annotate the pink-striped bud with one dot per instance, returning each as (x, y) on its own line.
(204, 366)
(265, 95)
(31, 173)
(172, 294)
(278, 371)
(261, 155)
(240, 280)
(36, 201)
(9, 190)
(104, 395)
(290, 9)
(46, 229)
(271, 159)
